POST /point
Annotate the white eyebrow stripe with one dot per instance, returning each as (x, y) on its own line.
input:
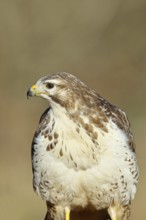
(52, 81)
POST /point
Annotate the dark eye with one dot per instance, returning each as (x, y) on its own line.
(49, 85)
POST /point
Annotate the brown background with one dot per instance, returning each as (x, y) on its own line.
(103, 42)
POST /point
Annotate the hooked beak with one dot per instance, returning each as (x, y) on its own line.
(32, 91)
(35, 91)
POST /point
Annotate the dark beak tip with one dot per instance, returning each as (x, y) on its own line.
(29, 94)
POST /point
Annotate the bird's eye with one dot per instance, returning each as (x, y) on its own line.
(49, 85)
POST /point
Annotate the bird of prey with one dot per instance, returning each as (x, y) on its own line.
(83, 155)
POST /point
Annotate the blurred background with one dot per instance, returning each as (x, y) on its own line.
(100, 41)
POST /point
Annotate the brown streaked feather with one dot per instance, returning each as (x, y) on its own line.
(81, 131)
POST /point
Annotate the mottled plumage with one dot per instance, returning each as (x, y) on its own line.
(83, 155)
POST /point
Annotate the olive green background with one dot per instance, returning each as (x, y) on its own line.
(103, 42)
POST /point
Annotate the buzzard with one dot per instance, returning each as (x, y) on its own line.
(83, 155)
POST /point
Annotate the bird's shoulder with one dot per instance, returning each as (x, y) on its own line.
(118, 116)
(43, 123)
(45, 113)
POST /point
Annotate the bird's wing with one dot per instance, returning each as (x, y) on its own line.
(119, 118)
(123, 122)
(39, 129)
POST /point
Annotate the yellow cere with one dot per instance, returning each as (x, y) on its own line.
(34, 87)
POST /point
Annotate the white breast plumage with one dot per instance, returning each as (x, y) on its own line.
(83, 153)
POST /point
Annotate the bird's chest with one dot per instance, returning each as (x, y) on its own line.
(60, 149)
(65, 142)
(64, 152)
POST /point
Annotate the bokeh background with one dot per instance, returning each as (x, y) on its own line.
(103, 43)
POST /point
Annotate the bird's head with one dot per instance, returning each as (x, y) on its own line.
(59, 88)
(45, 87)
